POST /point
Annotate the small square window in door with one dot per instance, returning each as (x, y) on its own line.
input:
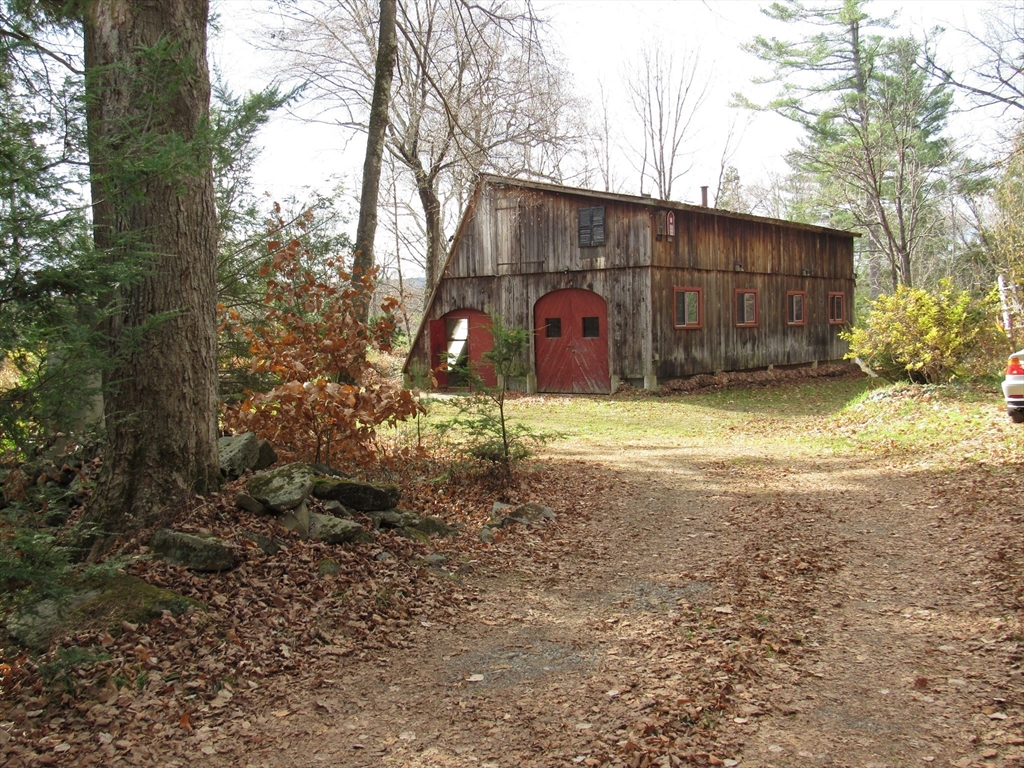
(553, 327)
(591, 328)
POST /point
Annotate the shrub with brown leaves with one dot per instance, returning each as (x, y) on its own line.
(325, 406)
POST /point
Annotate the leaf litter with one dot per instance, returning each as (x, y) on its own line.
(763, 610)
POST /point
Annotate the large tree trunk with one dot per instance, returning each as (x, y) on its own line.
(387, 52)
(148, 91)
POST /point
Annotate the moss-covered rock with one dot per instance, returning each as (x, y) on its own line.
(195, 551)
(282, 488)
(104, 603)
(365, 497)
(337, 530)
(238, 453)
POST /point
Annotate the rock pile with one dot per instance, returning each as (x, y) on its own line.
(311, 500)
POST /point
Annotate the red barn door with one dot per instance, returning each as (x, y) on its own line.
(572, 342)
(458, 341)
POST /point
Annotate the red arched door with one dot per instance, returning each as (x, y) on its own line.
(572, 342)
(458, 342)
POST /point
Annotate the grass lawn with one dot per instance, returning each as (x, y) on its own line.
(845, 415)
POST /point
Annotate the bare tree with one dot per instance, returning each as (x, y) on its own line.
(387, 51)
(474, 90)
(666, 95)
(602, 142)
(729, 190)
(997, 74)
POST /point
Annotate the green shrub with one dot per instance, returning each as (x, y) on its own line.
(926, 337)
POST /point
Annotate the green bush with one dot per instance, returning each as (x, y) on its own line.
(929, 337)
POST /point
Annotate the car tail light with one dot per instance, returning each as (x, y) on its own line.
(1014, 367)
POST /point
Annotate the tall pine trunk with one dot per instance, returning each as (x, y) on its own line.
(148, 92)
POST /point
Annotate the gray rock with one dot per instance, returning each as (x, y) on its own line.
(337, 509)
(200, 553)
(487, 535)
(238, 453)
(391, 518)
(326, 470)
(365, 497)
(498, 507)
(337, 530)
(532, 513)
(297, 520)
(249, 504)
(282, 488)
(435, 526)
(384, 556)
(34, 626)
(266, 457)
(435, 560)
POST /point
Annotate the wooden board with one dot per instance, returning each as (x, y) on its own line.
(571, 342)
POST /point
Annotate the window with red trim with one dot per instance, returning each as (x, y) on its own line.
(689, 309)
(746, 307)
(796, 302)
(836, 308)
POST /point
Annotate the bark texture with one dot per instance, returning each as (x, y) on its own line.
(148, 95)
(387, 52)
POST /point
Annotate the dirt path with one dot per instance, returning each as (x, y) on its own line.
(719, 606)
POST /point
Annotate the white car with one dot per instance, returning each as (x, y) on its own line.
(1013, 387)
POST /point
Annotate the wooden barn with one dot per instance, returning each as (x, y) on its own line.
(620, 288)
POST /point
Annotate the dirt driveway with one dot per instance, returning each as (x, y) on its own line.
(722, 604)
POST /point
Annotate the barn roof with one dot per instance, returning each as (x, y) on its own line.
(487, 178)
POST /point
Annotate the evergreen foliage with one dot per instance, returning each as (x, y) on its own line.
(50, 277)
(873, 123)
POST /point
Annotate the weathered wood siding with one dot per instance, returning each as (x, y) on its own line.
(516, 231)
(627, 293)
(518, 243)
(719, 345)
(708, 240)
(720, 255)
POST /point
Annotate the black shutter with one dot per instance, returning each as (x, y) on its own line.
(597, 226)
(585, 228)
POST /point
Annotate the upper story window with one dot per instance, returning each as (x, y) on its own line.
(836, 308)
(746, 307)
(688, 309)
(591, 226)
(795, 302)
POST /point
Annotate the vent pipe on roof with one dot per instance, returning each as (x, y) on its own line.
(704, 196)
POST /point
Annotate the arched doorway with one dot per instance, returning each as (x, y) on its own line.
(458, 342)
(571, 340)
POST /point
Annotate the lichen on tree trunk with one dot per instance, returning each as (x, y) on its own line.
(148, 93)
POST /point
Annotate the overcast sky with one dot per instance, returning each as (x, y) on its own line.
(598, 39)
